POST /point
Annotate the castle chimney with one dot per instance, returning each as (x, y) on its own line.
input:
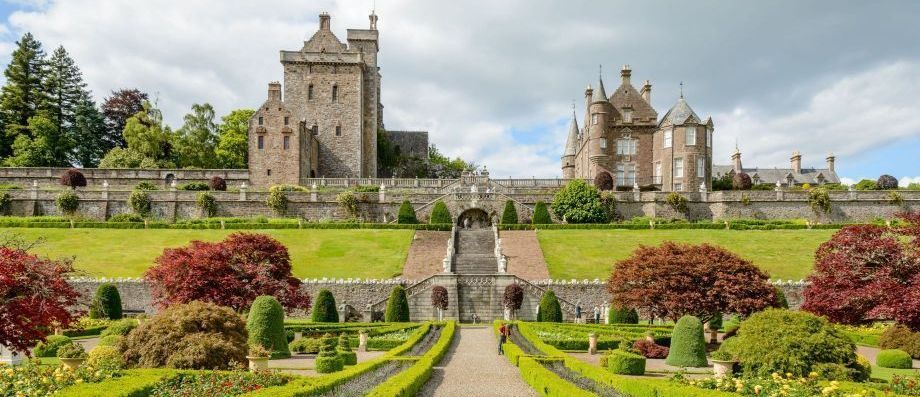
(830, 162)
(625, 74)
(796, 162)
(274, 91)
(325, 22)
(373, 18)
(589, 92)
(736, 161)
(647, 92)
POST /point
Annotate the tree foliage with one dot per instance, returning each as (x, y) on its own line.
(217, 183)
(232, 273)
(509, 214)
(603, 181)
(673, 280)
(541, 214)
(195, 142)
(440, 214)
(439, 298)
(23, 95)
(579, 202)
(73, 179)
(147, 139)
(549, 311)
(117, 108)
(45, 147)
(513, 297)
(232, 149)
(886, 182)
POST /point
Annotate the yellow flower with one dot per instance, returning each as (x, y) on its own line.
(813, 374)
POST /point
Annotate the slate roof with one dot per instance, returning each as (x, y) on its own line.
(626, 96)
(599, 95)
(771, 175)
(572, 139)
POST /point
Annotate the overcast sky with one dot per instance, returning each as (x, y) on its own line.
(494, 81)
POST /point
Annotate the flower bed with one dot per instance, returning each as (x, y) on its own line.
(33, 379)
(575, 337)
(778, 385)
(213, 383)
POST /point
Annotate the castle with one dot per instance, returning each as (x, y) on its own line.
(325, 120)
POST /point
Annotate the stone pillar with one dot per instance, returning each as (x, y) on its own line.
(243, 188)
(852, 191)
(105, 200)
(704, 194)
(592, 343)
(298, 335)
(175, 200)
(313, 192)
(362, 341)
(9, 357)
(637, 195)
(779, 191)
(382, 195)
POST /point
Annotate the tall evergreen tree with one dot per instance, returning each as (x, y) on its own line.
(233, 143)
(117, 109)
(197, 138)
(71, 108)
(46, 148)
(89, 132)
(23, 95)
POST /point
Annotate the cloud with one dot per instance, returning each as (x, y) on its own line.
(907, 180)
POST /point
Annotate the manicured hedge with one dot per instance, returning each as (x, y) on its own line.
(397, 306)
(545, 382)
(622, 315)
(893, 358)
(265, 325)
(625, 363)
(106, 303)
(407, 383)
(215, 226)
(688, 344)
(324, 310)
(132, 383)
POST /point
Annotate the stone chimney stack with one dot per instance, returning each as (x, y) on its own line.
(325, 21)
(373, 18)
(647, 92)
(274, 91)
(589, 92)
(796, 162)
(625, 74)
(830, 162)
(736, 161)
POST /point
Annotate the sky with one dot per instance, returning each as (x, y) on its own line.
(494, 82)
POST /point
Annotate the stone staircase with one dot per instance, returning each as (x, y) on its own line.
(475, 252)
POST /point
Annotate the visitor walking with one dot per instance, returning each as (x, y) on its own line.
(597, 315)
(504, 332)
(578, 313)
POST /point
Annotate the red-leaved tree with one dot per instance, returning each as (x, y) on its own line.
(868, 272)
(673, 280)
(230, 273)
(34, 297)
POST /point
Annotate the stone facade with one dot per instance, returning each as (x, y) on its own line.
(281, 150)
(793, 176)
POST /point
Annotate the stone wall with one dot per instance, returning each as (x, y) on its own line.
(120, 178)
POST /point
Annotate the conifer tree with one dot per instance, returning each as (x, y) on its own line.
(89, 132)
(23, 95)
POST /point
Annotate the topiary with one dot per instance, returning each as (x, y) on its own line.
(622, 315)
(106, 303)
(324, 310)
(406, 214)
(541, 214)
(328, 360)
(217, 183)
(49, 347)
(277, 200)
(439, 297)
(509, 214)
(67, 202)
(625, 363)
(513, 298)
(902, 338)
(207, 204)
(603, 181)
(265, 325)
(397, 306)
(104, 357)
(894, 358)
(741, 181)
(440, 214)
(819, 200)
(305, 345)
(886, 182)
(120, 328)
(688, 345)
(140, 202)
(348, 357)
(786, 341)
(781, 301)
(194, 335)
(549, 311)
(73, 178)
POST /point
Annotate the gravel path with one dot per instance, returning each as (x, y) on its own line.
(473, 367)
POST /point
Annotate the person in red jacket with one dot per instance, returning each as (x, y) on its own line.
(504, 332)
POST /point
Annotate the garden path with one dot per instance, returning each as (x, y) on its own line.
(473, 367)
(304, 364)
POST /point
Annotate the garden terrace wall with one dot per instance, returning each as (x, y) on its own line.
(119, 177)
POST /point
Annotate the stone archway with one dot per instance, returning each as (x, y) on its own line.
(477, 217)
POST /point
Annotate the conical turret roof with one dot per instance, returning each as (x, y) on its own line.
(680, 113)
(572, 138)
(599, 95)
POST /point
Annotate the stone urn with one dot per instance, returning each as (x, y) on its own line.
(72, 363)
(257, 363)
(362, 341)
(592, 343)
(723, 368)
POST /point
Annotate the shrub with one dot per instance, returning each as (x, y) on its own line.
(348, 202)
(901, 338)
(893, 358)
(207, 204)
(549, 311)
(513, 298)
(603, 181)
(677, 202)
(819, 200)
(305, 345)
(786, 341)
(195, 335)
(439, 298)
(218, 184)
(781, 301)
(741, 181)
(67, 202)
(109, 340)
(126, 218)
(348, 357)
(71, 350)
(650, 349)
(120, 328)
(866, 184)
(277, 200)
(265, 326)
(886, 182)
(195, 187)
(579, 202)
(328, 360)
(406, 214)
(49, 347)
(146, 186)
(105, 358)
(397, 306)
(688, 345)
(622, 315)
(625, 363)
(73, 178)
(440, 214)
(140, 202)
(106, 303)
(324, 310)
(541, 214)
(509, 214)
(6, 203)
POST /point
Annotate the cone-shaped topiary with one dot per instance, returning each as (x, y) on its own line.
(397, 306)
(324, 310)
(106, 303)
(688, 346)
(781, 301)
(549, 310)
(348, 357)
(623, 315)
(406, 214)
(541, 214)
(509, 214)
(265, 325)
(328, 359)
(440, 214)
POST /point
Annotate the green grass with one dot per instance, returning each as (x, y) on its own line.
(887, 373)
(314, 253)
(590, 254)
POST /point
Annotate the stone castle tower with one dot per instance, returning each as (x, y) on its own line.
(325, 125)
(623, 137)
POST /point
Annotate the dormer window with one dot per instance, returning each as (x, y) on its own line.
(627, 115)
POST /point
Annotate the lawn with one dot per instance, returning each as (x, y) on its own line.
(314, 253)
(590, 254)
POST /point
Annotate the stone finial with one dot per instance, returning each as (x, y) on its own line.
(313, 186)
(244, 186)
(34, 183)
(105, 184)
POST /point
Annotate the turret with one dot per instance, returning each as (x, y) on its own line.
(568, 156)
(597, 124)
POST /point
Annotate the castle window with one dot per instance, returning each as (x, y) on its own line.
(668, 135)
(261, 142)
(678, 168)
(626, 147)
(287, 142)
(700, 167)
(287, 120)
(657, 173)
(626, 174)
(690, 135)
(709, 137)
(310, 91)
(678, 187)
(261, 120)
(338, 130)
(603, 143)
(627, 115)
(335, 93)
(268, 172)
(594, 118)
(315, 129)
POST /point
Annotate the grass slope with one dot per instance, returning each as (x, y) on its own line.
(590, 254)
(314, 253)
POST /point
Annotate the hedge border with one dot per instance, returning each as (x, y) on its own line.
(408, 382)
(219, 226)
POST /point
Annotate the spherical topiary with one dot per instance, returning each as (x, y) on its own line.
(324, 310)
(541, 214)
(265, 325)
(406, 214)
(217, 183)
(277, 200)
(886, 182)
(328, 360)
(893, 358)
(439, 297)
(902, 338)
(688, 346)
(397, 306)
(549, 311)
(67, 202)
(603, 181)
(73, 178)
(106, 303)
(348, 357)
(625, 363)
(509, 214)
(440, 214)
(50, 346)
(623, 315)
(207, 204)
(104, 357)
(741, 181)
(140, 202)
